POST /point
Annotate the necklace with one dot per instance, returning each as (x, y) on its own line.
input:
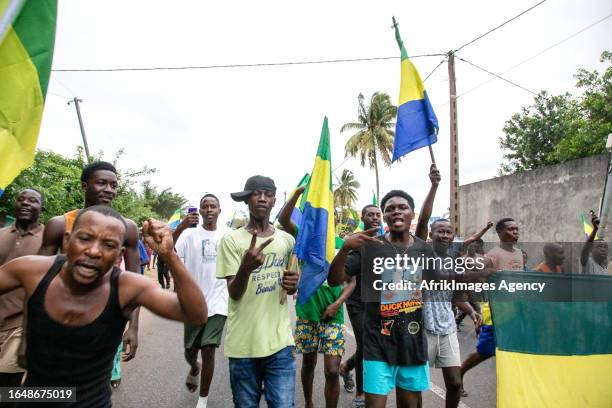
(398, 268)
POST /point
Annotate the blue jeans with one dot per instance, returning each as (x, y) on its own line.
(276, 373)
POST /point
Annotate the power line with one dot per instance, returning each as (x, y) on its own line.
(264, 64)
(499, 26)
(58, 95)
(496, 75)
(538, 53)
(434, 70)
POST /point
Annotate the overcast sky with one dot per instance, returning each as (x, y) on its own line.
(207, 130)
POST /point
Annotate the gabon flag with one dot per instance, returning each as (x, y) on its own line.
(417, 124)
(554, 348)
(315, 243)
(27, 37)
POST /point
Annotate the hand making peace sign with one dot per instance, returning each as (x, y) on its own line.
(253, 258)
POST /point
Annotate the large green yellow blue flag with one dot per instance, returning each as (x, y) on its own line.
(417, 124)
(315, 243)
(27, 36)
(554, 348)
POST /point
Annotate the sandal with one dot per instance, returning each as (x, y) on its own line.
(349, 383)
(463, 392)
(192, 382)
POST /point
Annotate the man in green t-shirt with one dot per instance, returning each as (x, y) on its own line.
(320, 325)
(258, 341)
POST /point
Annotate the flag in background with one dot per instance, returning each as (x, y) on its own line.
(175, 220)
(296, 214)
(27, 36)
(417, 124)
(586, 226)
(315, 242)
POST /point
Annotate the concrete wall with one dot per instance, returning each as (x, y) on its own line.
(546, 202)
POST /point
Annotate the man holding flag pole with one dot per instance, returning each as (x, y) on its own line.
(320, 324)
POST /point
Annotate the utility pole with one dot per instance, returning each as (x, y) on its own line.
(76, 101)
(454, 146)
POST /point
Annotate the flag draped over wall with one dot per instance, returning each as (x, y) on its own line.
(27, 36)
(553, 349)
(315, 242)
(417, 124)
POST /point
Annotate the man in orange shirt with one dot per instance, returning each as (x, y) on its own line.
(554, 255)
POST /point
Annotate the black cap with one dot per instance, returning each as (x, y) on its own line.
(252, 184)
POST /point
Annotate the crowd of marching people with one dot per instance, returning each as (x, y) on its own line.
(69, 310)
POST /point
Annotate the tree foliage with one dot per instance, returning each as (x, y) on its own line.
(345, 193)
(375, 128)
(58, 178)
(561, 127)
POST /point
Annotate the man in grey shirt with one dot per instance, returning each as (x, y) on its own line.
(439, 319)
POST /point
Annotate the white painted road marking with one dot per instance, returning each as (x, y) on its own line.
(442, 394)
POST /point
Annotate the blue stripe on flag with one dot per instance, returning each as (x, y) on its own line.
(311, 250)
(416, 127)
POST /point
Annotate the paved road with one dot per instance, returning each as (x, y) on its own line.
(156, 377)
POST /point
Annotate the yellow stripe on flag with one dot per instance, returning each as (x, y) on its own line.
(542, 381)
(411, 86)
(21, 105)
(320, 196)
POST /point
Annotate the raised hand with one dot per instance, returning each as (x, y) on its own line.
(594, 219)
(253, 258)
(434, 175)
(355, 241)
(299, 191)
(158, 236)
(189, 220)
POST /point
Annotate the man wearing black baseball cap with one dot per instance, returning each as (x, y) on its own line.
(259, 341)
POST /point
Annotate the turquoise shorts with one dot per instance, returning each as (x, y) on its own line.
(380, 378)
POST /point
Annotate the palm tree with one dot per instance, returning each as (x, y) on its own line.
(375, 132)
(345, 193)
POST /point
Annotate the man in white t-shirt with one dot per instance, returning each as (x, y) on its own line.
(197, 246)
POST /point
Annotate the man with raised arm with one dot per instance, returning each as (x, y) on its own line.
(258, 342)
(197, 248)
(394, 346)
(594, 254)
(79, 303)
(320, 325)
(504, 257)
(99, 184)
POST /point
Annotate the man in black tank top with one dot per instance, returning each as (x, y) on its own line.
(78, 304)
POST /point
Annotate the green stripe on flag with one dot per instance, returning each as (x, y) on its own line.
(35, 28)
(559, 321)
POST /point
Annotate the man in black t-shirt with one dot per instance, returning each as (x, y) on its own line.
(395, 350)
(371, 217)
